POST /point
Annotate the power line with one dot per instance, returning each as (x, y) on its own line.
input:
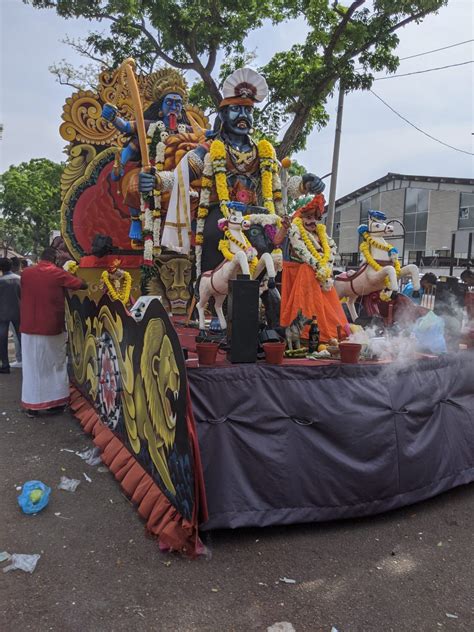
(419, 72)
(463, 151)
(435, 50)
(428, 52)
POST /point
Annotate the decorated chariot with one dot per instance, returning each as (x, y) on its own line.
(184, 237)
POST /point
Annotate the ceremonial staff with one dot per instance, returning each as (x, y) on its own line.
(127, 72)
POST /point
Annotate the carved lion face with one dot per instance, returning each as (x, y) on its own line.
(175, 275)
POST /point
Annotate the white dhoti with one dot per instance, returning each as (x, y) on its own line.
(45, 377)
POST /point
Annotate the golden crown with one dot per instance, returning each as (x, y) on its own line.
(165, 81)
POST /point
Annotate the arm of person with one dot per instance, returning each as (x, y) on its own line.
(72, 282)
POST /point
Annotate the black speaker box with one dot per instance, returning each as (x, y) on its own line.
(242, 319)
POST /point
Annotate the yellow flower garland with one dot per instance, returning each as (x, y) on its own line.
(124, 294)
(323, 240)
(224, 248)
(365, 250)
(324, 271)
(218, 159)
(268, 166)
(266, 154)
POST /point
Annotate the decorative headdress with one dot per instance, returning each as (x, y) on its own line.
(377, 215)
(315, 204)
(244, 87)
(166, 81)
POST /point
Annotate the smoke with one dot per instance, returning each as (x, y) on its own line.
(396, 346)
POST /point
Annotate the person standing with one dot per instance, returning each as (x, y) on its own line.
(9, 309)
(45, 379)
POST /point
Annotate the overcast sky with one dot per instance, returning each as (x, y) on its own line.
(374, 140)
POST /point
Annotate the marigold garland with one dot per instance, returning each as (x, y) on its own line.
(320, 262)
(229, 255)
(266, 154)
(218, 160)
(365, 250)
(123, 294)
(268, 167)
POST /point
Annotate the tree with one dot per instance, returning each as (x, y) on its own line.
(10, 237)
(346, 43)
(30, 200)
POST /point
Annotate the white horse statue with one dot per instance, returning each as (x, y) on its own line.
(380, 270)
(239, 257)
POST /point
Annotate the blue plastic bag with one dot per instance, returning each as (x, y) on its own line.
(429, 334)
(34, 497)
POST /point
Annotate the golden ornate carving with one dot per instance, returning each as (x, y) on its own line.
(113, 90)
(83, 121)
(79, 157)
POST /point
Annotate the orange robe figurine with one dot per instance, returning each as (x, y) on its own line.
(307, 282)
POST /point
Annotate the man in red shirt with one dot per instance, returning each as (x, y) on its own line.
(45, 379)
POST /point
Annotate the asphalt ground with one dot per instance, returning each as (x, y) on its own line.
(408, 570)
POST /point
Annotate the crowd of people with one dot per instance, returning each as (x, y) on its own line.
(32, 301)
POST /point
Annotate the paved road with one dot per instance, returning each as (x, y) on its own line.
(402, 571)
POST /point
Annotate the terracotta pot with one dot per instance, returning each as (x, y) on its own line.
(274, 352)
(349, 352)
(207, 352)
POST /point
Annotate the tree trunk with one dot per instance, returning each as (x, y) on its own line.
(294, 130)
(209, 82)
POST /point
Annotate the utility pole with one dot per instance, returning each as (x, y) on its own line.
(335, 163)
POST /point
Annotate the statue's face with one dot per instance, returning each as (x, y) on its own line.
(172, 104)
(310, 221)
(237, 119)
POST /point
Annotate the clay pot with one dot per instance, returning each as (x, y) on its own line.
(349, 352)
(207, 352)
(274, 352)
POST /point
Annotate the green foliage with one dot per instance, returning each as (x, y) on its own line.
(343, 43)
(30, 200)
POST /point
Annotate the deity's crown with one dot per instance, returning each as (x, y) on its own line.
(166, 81)
(244, 87)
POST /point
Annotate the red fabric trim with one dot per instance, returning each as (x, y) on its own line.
(127, 261)
(162, 518)
(44, 405)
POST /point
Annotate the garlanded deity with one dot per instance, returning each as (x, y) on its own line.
(308, 276)
(231, 167)
(165, 116)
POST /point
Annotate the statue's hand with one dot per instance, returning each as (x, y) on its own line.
(146, 182)
(286, 222)
(312, 184)
(109, 112)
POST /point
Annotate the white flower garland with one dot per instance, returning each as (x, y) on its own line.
(264, 219)
(204, 201)
(278, 202)
(294, 187)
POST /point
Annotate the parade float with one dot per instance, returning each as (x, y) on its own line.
(183, 235)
